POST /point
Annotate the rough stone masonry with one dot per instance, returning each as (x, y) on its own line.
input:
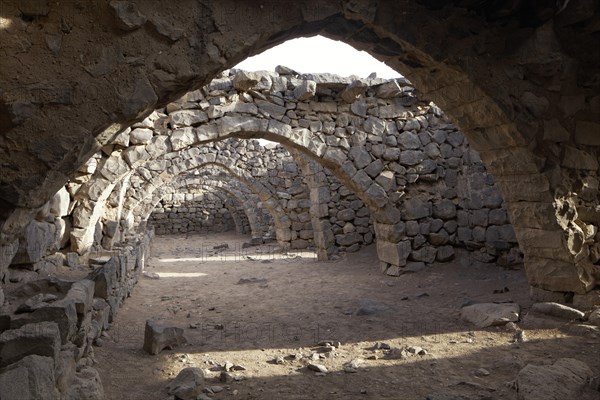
(91, 141)
(532, 114)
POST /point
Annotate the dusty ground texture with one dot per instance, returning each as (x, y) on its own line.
(303, 302)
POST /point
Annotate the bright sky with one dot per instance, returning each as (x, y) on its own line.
(318, 54)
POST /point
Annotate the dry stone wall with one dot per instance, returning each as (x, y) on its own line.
(367, 162)
(50, 326)
(370, 147)
(192, 212)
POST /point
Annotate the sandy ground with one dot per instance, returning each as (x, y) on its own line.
(297, 302)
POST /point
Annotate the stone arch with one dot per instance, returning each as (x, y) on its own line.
(268, 199)
(246, 203)
(150, 157)
(195, 193)
(515, 112)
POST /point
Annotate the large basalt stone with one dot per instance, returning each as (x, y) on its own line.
(305, 90)
(393, 253)
(42, 339)
(62, 312)
(37, 240)
(491, 314)
(188, 384)
(158, 337)
(82, 294)
(31, 378)
(415, 208)
(87, 385)
(105, 278)
(557, 310)
(246, 80)
(567, 378)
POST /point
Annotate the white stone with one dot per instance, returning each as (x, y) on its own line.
(182, 138)
(491, 314)
(59, 206)
(140, 136)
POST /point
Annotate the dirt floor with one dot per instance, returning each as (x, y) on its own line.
(271, 326)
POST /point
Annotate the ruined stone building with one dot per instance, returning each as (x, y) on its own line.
(122, 119)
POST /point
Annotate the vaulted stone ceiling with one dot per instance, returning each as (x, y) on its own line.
(519, 80)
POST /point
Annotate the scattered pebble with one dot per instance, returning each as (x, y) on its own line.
(317, 368)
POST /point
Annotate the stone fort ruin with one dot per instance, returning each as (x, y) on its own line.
(491, 144)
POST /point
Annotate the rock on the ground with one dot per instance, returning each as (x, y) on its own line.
(188, 384)
(86, 385)
(158, 337)
(353, 365)
(491, 314)
(370, 307)
(151, 275)
(30, 378)
(317, 368)
(567, 378)
(557, 310)
(257, 279)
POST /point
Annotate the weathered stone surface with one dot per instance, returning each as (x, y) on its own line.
(181, 138)
(42, 339)
(158, 337)
(305, 90)
(445, 253)
(62, 312)
(348, 239)
(567, 378)
(394, 253)
(444, 209)
(409, 141)
(556, 275)
(245, 80)
(105, 278)
(557, 310)
(370, 307)
(87, 385)
(31, 378)
(140, 136)
(82, 294)
(353, 91)
(129, 17)
(188, 384)
(389, 90)
(37, 240)
(491, 314)
(579, 159)
(59, 206)
(187, 118)
(411, 157)
(416, 208)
